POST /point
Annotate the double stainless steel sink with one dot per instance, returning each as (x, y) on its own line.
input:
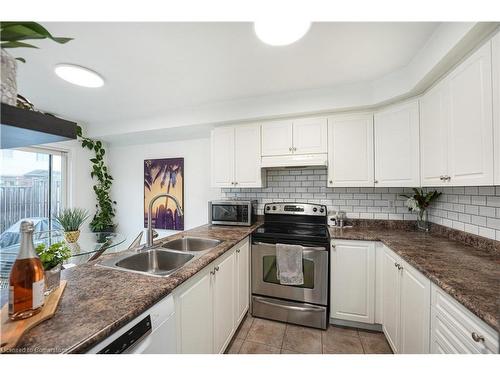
(161, 260)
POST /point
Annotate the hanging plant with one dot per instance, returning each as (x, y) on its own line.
(105, 210)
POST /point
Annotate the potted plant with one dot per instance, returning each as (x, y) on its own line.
(418, 203)
(52, 258)
(105, 210)
(14, 35)
(71, 219)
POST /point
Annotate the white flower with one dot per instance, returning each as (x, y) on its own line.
(412, 204)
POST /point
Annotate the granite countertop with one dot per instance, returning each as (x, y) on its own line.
(98, 301)
(469, 274)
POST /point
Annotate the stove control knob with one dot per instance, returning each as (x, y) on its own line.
(268, 208)
(315, 209)
(274, 208)
(321, 210)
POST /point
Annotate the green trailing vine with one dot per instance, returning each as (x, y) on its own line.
(105, 210)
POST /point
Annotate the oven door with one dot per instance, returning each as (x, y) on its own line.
(315, 268)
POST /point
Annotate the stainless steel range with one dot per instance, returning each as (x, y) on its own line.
(298, 224)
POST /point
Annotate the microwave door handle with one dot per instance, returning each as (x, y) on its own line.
(306, 248)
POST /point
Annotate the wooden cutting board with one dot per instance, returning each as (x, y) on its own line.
(12, 330)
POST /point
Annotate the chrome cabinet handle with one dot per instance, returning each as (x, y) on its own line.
(216, 268)
(400, 267)
(289, 149)
(447, 178)
(477, 338)
(236, 183)
(376, 181)
(212, 273)
(395, 264)
(238, 250)
(441, 178)
(330, 181)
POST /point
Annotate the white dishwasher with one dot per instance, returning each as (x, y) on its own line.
(152, 332)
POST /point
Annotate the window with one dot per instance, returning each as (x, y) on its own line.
(33, 186)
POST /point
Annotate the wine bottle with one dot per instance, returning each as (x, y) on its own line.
(26, 282)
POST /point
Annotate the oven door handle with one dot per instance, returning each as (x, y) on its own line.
(288, 307)
(316, 248)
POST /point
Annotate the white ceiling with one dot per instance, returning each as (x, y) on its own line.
(152, 69)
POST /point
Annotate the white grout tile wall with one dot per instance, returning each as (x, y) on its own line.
(472, 209)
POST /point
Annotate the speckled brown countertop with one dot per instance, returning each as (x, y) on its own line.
(470, 274)
(97, 301)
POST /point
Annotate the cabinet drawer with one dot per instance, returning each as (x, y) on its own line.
(445, 339)
(446, 312)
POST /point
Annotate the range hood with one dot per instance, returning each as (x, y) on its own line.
(295, 161)
(21, 127)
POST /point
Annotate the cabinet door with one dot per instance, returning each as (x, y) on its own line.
(247, 172)
(222, 157)
(353, 281)
(495, 59)
(195, 317)
(310, 136)
(350, 151)
(415, 311)
(433, 136)
(242, 280)
(391, 280)
(224, 303)
(277, 138)
(470, 150)
(397, 146)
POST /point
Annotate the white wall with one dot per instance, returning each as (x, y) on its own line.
(127, 168)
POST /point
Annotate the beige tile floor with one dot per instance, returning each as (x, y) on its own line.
(260, 336)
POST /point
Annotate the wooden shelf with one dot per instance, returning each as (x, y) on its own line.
(21, 127)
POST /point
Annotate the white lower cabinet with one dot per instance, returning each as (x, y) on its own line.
(242, 277)
(405, 305)
(353, 281)
(207, 305)
(415, 311)
(224, 302)
(391, 286)
(454, 329)
(194, 314)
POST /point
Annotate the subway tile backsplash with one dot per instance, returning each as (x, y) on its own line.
(471, 209)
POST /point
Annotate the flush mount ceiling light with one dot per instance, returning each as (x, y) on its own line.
(281, 33)
(78, 75)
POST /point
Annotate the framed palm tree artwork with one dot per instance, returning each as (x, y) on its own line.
(164, 176)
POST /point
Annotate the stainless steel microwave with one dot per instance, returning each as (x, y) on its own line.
(227, 212)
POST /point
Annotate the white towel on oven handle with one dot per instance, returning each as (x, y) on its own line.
(289, 269)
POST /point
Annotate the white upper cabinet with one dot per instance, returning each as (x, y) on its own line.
(433, 136)
(247, 171)
(277, 138)
(457, 126)
(396, 132)
(222, 157)
(495, 59)
(236, 156)
(294, 137)
(471, 126)
(350, 150)
(353, 281)
(310, 136)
